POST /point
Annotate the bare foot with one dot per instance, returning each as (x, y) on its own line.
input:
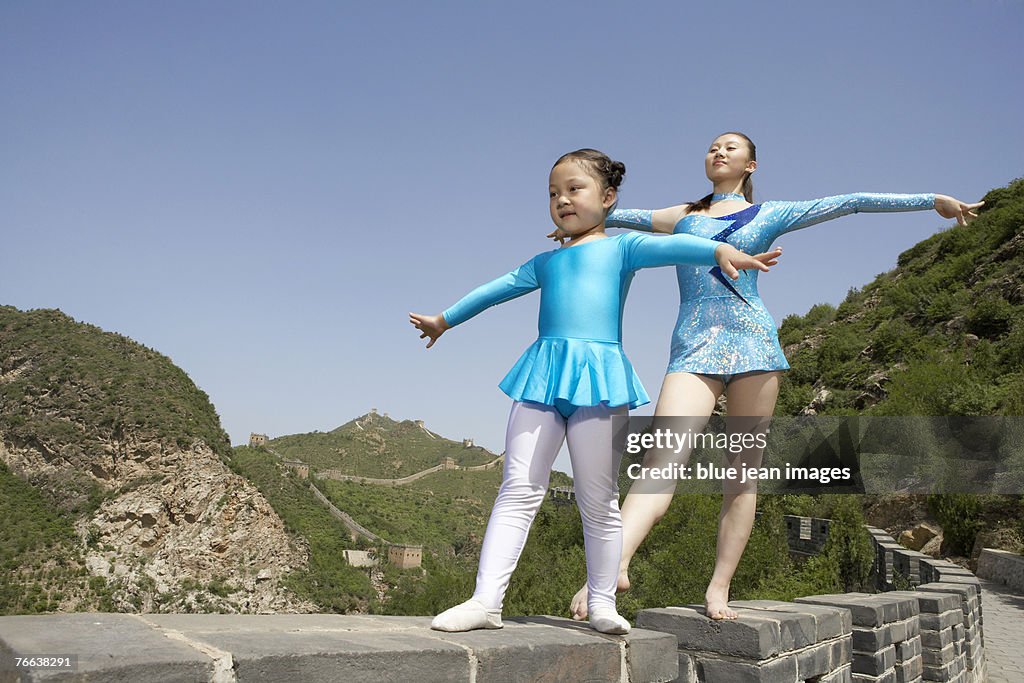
(578, 606)
(716, 604)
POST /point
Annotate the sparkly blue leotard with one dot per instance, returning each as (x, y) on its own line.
(578, 359)
(723, 327)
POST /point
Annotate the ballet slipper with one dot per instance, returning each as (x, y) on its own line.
(607, 620)
(467, 616)
(578, 606)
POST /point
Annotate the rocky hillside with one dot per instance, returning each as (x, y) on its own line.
(127, 457)
(941, 334)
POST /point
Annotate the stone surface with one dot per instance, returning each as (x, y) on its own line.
(750, 637)
(107, 646)
(226, 648)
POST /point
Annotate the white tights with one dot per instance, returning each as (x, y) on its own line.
(533, 439)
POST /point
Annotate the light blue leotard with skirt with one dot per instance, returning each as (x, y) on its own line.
(723, 328)
(578, 359)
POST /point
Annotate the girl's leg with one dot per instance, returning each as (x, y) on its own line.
(595, 449)
(534, 436)
(683, 395)
(754, 395)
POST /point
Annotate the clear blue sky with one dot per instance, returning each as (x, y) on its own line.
(262, 191)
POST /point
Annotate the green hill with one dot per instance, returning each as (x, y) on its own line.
(941, 334)
(114, 483)
(377, 446)
(69, 385)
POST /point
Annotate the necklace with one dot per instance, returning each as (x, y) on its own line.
(721, 197)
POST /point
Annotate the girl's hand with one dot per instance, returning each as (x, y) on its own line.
(432, 326)
(731, 260)
(558, 235)
(948, 207)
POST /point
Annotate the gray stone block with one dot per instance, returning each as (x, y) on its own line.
(874, 663)
(843, 674)
(937, 658)
(775, 670)
(945, 672)
(936, 640)
(830, 622)
(909, 649)
(968, 590)
(797, 629)
(887, 677)
(815, 661)
(687, 669)
(370, 656)
(108, 647)
(909, 670)
(931, 602)
(750, 637)
(650, 656)
(865, 612)
(937, 622)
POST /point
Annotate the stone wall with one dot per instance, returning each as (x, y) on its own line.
(1002, 567)
(932, 632)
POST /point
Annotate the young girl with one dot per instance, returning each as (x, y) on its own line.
(571, 381)
(726, 341)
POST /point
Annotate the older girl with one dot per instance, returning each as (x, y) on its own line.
(725, 341)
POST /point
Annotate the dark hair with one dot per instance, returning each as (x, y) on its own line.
(748, 185)
(599, 165)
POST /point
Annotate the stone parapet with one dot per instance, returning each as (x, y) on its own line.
(885, 633)
(770, 642)
(223, 648)
(1002, 567)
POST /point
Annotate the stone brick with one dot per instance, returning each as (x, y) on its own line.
(939, 657)
(937, 622)
(932, 602)
(830, 622)
(843, 674)
(908, 649)
(873, 639)
(815, 660)
(874, 663)
(909, 670)
(943, 673)
(749, 637)
(936, 640)
(865, 612)
(687, 669)
(887, 677)
(776, 670)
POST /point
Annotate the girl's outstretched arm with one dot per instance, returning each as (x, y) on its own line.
(651, 252)
(520, 281)
(797, 215)
(647, 220)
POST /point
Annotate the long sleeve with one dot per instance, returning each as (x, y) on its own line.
(520, 281)
(632, 219)
(648, 251)
(797, 215)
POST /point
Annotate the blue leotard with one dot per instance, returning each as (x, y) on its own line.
(578, 359)
(723, 327)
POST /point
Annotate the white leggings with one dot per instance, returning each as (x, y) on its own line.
(533, 439)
